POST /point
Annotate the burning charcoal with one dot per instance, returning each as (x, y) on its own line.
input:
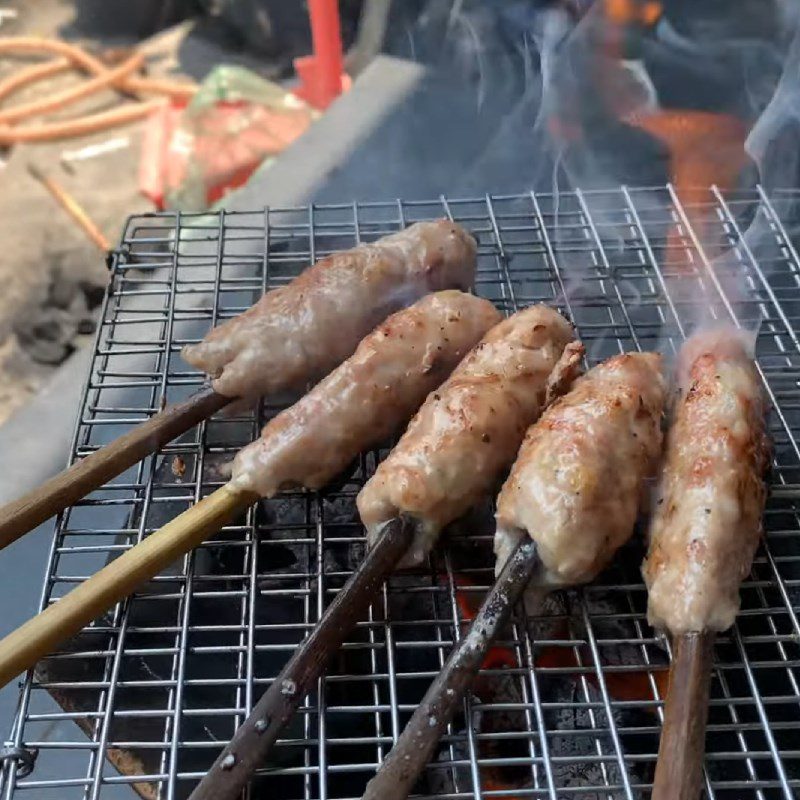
(286, 510)
(46, 334)
(339, 510)
(178, 467)
(93, 292)
(216, 467)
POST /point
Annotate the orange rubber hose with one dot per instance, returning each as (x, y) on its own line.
(119, 77)
(33, 73)
(178, 90)
(38, 45)
(49, 131)
(73, 94)
(86, 62)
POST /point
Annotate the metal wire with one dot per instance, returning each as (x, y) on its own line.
(570, 706)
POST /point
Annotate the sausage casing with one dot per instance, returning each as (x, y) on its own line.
(300, 332)
(367, 397)
(577, 483)
(468, 430)
(707, 520)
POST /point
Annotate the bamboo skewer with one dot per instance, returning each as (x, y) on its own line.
(22, 648)
(256, 736)
(72, 207)
(679, 769)
(21, 515)
(400, 769)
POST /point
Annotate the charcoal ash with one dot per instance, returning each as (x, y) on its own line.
(49, 326)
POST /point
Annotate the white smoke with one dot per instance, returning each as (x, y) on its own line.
(774, 140)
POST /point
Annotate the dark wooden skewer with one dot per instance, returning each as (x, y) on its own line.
(63, 490)
(400, 769)
(679, 769)
(256, 736)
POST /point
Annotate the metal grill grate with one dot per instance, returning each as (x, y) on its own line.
(141, 702)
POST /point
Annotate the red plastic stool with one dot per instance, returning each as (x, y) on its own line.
(321, 75)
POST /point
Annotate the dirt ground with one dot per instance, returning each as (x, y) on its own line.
(52, 276)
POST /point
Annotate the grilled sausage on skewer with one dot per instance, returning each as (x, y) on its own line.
(367, 397)
(564, 484)
(468, 431)
(291, 336)
(576, 485)
(707, 521)
(295, 446)
(300, 332)
(379, 387)
(703, 535)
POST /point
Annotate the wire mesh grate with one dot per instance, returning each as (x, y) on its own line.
(569, 704)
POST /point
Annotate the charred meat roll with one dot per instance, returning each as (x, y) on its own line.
(578, 480)
(366, 398)
(469, 429)
(300, 332)
(707, 521)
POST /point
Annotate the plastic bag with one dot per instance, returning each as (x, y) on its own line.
(193, 156)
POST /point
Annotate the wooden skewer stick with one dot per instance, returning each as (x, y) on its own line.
(255, 738)
(72, 207)
(22, 648)
(679, 769)
(400, 769)
(21, 515)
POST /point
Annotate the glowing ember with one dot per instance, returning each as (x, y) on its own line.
(705, 150)
(625, 12)
(624, 685)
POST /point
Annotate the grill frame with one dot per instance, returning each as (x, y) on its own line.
(629, 268)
